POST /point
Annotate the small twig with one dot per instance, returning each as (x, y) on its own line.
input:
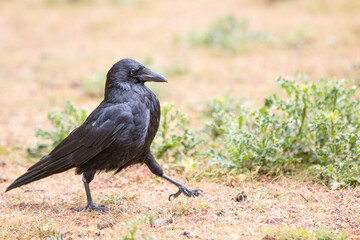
(35, 190)
(304, 197)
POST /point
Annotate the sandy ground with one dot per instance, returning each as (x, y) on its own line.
(49, 46)
(136, 193)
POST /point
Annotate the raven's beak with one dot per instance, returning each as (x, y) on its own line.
(149, 76)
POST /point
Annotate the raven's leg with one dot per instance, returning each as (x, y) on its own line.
(157, 170)
(87, 178)
(182, 189)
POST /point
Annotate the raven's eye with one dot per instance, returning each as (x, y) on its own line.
(133, 72)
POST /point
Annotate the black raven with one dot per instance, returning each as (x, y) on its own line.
(117, 134)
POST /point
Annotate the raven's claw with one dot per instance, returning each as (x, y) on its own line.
(187, 192)
(90, 207)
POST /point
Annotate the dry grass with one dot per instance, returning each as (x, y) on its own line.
(48, 46)
(216, 215)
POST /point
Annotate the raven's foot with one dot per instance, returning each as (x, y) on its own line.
(187, 192)
(92, 207)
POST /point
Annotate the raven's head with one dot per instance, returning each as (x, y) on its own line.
(131, 71)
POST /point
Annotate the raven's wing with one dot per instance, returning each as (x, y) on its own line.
(97, 133)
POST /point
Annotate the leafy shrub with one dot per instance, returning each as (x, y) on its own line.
(174, 139)
(218, 110)
(63, 123)
(318, 124)
(228, 33)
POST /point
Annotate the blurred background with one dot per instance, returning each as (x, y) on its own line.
(52, 50)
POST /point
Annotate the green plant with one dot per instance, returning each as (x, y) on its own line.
(174, 139)
(285, 233)
(316, 125)
(94, 85)
(218, 110)
(58, 237)
(228, 33)
(132, 229)
(46, 228)
(298, 38)
(63, 123)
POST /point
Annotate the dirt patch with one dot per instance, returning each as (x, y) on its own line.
(269, 205)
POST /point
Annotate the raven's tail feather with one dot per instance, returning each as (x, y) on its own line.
(45, 167)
